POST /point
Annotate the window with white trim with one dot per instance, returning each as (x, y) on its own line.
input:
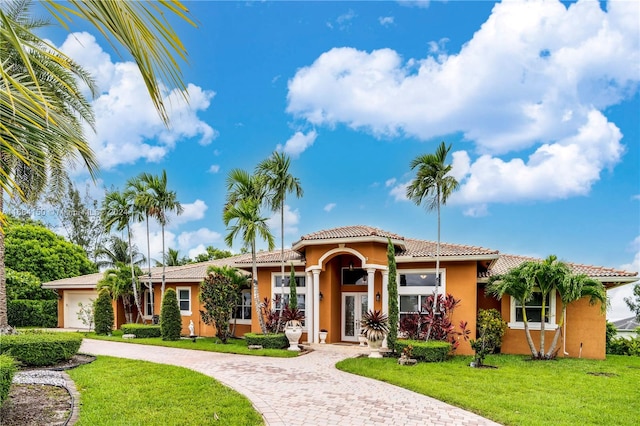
(148, 307)
(184, 300)
(414, 286)
(534, 312)
(279, 292)
(242, 312)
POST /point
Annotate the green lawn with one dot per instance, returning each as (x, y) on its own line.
(523, 392)
(118, 391)
(211, 344)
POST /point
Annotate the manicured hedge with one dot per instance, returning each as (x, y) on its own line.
(40, 349)
(32, 313)
(141, 331)
(428, 351)
(7, 370)
(267, 341)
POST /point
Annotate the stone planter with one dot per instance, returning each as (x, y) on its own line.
(293, 331)
(363, 340)
(375, 345)
(323, 336)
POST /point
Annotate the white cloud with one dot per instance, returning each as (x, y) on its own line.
(329, 207)
(534, 78)
(291, 221)
(634, 265)
(618, 308)
(128, 128)
(192, 212)
(399, 192)
(390, 182)
(298, 143)
(190, 240)
(215, 168)
(385, 21)
(480, 210)
(414, 3)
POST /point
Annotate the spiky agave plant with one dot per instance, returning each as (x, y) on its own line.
(375, 325)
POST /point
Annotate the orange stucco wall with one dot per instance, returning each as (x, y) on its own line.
(585, 326)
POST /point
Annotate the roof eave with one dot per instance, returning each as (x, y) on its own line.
(457, 258)
(348, 240)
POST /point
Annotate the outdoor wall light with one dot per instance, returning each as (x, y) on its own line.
(351, 266)
(377, 296)
(321, 296)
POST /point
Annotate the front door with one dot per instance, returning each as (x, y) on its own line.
(354, 305)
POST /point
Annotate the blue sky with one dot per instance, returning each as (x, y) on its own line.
(539, 100)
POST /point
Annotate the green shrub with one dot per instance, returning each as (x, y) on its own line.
(7, 370)
(622, 346)
(170, 320)
(491, 329)
(32, 313)
(40, 349)
(428, 351)
(267, 341)
(142, 331)
(103, 313)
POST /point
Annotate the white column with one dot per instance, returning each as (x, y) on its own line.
(370, 295)
(316, 305)
(309, 307)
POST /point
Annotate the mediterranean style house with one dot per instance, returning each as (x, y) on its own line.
(341, 273)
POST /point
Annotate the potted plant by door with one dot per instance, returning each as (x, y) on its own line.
(323, 336)
(375, 326)
(292, 326)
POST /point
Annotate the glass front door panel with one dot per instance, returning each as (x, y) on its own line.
(354, 305)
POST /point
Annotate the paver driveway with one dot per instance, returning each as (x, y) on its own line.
(322, 394)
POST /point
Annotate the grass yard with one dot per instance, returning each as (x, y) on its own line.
(211, 344)
(118, 391)
(522, 392)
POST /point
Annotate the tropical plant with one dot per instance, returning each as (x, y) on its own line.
(170, 320)
(42, 106)
(433, 185)
(212, 254)
(247, 223)
(275, 171)
(375, 325)
(491, 329)
(118, 211)
(157, 201)
(116, 250)
(118, 281)
(220, 294)
(103, 313)
(271, 316)
(85, 313)
(634, 302)
(173, 258)
(547, 277)
(392, 290)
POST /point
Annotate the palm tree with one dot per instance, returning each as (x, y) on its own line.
(173, 258)
(115, 280)
(37, 142)
(40, 104)
(280, 182)
(157, 200)
(117, 211)
(519, 284)
(241, 184)
(117, 251)
(572, 288)
(249, 225)
(433, 185)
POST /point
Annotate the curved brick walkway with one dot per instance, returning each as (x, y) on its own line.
(322, 394)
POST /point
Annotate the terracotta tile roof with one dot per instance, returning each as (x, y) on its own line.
(421, 248)
(349, 232)
(627, 324)
(508, 261)
(270, 257)
(193, 271)
(83, 281)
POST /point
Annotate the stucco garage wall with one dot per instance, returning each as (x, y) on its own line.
(70, 300)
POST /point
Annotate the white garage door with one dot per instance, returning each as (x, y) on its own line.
(71, 308)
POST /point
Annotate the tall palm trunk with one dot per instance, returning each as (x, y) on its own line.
(163, 263)
(281, 264)
(527, 333)
(435, 293)
(136, 299)
(542, 323)
(556, 336)
(149, 283)
(256, 291)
